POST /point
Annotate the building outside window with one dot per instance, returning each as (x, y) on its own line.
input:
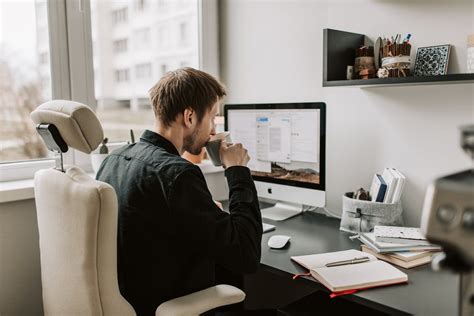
(164, 69)
(160, 37)
(140, 5)
(120, 15)
(120, 46)
(142, 38)
(183, 33)
(43, 58)
(122, 75)
(143, 71)
(163, 6)
(121, 88)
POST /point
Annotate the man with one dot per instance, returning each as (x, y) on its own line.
(171, 234)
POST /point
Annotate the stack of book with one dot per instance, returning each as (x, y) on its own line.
(403, 246)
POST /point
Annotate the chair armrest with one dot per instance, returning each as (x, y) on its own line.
(201, 301)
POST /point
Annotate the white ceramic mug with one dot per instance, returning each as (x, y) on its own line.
(213, 146)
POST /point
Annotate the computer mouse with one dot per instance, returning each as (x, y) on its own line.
(278, 241)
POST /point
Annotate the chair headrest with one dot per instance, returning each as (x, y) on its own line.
(77, 123)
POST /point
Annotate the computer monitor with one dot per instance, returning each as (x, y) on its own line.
(286, 143)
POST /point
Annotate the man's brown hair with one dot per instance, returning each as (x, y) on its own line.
(183, 88)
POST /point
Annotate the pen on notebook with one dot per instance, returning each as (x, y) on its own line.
(345, 262)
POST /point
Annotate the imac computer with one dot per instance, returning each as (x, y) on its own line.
(286, 144)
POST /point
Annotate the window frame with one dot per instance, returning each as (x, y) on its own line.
(60, 85)
(72, 73)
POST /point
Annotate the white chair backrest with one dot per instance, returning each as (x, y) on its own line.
(77, 222)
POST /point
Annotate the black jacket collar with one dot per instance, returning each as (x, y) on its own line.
(158, 140)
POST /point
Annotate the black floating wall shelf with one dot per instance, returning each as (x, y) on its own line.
(339, 47)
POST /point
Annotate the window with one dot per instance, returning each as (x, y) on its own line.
(24, 77)
(163, 5)
(121, 75)
(43, 58)
(183, 33)
(165, 34)
(161, 37)
(122, 99)
(41, 12)
(140, 5)
(120, 16)
(142, 38)
(164, 69)
(121, 88)
(143, 71)
(120, 46)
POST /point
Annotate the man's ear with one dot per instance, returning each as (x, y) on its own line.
(189, 117)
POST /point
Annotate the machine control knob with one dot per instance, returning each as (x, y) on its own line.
(446, 214)
(468, 218)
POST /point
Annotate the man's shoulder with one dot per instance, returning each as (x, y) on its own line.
(176, 164)
(157, 160)
(147, 154)
(164, 162)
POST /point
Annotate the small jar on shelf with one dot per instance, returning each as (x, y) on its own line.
(364, 67)
(470, 53)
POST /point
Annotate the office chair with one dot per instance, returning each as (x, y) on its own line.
(77, 222)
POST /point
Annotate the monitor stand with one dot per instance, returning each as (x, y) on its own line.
(282, 211)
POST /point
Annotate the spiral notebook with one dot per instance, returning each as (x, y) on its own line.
(372, 273)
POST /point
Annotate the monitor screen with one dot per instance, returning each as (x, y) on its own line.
(285, 142)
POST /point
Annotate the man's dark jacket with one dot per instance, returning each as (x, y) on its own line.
(171, 234)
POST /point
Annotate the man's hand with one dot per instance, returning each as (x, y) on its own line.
(233, 155)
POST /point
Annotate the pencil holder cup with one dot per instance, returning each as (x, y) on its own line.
(361, 216)
(396, 59)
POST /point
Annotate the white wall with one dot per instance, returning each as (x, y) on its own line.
(20, 271)
(271, 51)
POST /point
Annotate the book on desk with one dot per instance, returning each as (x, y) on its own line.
(369, 240)
(400, 235)
(405, 259)
(359, 270)
(403, 246)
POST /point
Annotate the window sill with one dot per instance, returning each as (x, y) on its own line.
(18, 190)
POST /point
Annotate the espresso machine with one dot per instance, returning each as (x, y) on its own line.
(448, 220)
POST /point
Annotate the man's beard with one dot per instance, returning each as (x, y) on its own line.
(190, 144)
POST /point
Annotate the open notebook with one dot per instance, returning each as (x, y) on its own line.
(368, 274)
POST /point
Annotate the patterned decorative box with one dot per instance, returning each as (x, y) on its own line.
(432, 60)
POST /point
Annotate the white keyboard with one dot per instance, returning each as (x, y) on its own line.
(267, 227)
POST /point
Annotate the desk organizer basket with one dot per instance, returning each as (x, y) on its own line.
(362, 216)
